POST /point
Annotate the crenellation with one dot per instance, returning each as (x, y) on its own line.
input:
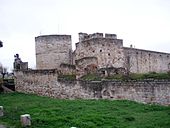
(111, 36)
(97, 35)
(85, 36)
(82, 36)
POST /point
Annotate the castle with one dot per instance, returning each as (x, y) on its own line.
(96, 52)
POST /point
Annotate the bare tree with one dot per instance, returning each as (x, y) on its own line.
(3, 70)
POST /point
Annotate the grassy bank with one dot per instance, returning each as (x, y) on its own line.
(54, 113)
(131, 76)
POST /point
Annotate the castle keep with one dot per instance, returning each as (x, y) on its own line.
(96, 52)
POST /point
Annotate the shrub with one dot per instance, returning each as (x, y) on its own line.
(132, 76)
(91, 77)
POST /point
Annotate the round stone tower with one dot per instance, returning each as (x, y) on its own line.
(52, 50)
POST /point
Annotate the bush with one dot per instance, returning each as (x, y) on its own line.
(91, 77)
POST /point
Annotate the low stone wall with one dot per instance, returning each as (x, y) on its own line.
(46, 84)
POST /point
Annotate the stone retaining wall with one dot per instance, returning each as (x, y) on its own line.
(47, 84)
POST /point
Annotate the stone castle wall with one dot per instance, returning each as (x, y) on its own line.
(67, 69)
(86, 65)
(45, 83)
(144, 61)
(52, 50)
(108, 50)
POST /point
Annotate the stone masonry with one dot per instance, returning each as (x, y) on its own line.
(110, 52)
(99, 50)
(46, 83)
(52, 50)
(94, 52)
(144, 61)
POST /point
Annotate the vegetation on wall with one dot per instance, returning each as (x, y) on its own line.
(132, 76)
(91, 76)
(55, 113)
(66, 77)
(151, 75)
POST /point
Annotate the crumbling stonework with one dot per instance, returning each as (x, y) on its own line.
(67, 69)
(107, 50)
(94, 52)
(45, 83)
(86, 65)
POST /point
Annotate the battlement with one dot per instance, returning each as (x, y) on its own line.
(46, 38)
(85, 36)
(111, 36)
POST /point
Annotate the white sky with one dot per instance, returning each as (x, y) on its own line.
(143, 23)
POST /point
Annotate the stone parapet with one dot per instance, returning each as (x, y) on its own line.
(85, 36)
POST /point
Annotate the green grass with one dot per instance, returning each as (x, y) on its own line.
(90, 77)
(151, 75)
(54, 113)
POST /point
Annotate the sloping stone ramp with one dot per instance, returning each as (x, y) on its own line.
(2, 126)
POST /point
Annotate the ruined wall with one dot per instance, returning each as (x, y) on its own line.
(108, 50)
(45, 83)
(67, 69)
(52, 50)
(86, 65)
(143, 61)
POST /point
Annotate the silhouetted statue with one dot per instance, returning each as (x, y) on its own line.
(18, 64)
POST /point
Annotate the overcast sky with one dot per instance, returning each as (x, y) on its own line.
(143, 23)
